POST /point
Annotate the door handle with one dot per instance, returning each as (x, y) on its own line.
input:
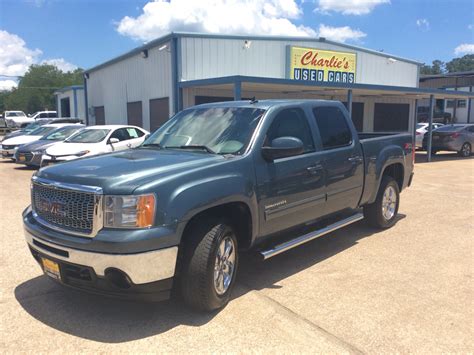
(313, 169)
(356, 159)
(129, 145)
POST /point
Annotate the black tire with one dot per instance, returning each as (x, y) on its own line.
(374, 213)
(466, 150)
(199, 260)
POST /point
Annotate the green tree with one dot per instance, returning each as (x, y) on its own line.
(437, 67)
(35, 91)
(465, 63)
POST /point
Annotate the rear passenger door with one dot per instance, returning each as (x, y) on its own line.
(291, 189)
(136, 136)
(342, 161)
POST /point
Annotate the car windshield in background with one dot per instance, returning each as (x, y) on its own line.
(450, 128)
(61, 133)
(15, 114)
(31, 127)
(221, 130)
(41, 131)
(89, 136)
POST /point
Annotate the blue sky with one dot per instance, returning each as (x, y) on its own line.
(86, 33)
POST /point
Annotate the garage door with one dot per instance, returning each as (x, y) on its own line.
(134, 113)
(159, 112)
(99, 114)
(357, 115)
(391, 117)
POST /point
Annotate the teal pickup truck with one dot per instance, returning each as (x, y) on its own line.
(216, 179)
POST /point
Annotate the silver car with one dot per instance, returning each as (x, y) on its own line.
(454, 137)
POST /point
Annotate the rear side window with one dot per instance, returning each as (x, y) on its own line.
(134, 133)
(291, 122)
(332, 126)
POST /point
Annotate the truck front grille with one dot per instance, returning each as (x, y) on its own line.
(69, 210)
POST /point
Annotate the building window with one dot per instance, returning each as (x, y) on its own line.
(159, 112)
(134, 113)
(462, 103)
(65, 107)
(449, 103)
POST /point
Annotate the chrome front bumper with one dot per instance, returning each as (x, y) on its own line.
(141, 268)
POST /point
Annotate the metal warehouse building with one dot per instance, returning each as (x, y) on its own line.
(149, 84)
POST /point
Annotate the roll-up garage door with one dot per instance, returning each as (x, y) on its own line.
(159, 112)
(99, 113)
(134, 113)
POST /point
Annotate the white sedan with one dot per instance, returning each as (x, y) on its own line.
(421, 129)
(9, 145)
(95, 140)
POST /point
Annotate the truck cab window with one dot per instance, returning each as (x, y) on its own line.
(332, 126)
(291, 122)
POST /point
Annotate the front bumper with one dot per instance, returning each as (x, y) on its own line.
(8, 153)
(146, 276)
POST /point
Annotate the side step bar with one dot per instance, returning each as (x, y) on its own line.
(280, 248)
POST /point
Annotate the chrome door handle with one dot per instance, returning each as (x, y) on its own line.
(355, 159)
(313, 169)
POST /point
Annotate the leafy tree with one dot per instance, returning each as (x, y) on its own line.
(35, 91)
(465, 63)
(437, 67)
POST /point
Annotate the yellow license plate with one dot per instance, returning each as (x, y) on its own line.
(51, 268)
(21, 158)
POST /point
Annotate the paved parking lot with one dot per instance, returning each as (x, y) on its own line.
(407, 289)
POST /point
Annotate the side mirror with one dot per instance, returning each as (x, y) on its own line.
(113, 140)
(283, 147)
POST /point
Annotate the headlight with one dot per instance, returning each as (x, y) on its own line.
(84, 152)
(129, 211)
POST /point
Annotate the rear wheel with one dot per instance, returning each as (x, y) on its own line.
(465, 150)
(383, 212)
(210, 264)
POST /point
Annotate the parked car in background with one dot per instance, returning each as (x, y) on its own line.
(95, 140)
(10, 145)
(455, 137)
(17, 119)
(32, 126)
(439, 116)
(31, 154)
(44, 115)
(421, 129)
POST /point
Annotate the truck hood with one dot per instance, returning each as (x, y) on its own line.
(122, 172)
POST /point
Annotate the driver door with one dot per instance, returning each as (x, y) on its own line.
(290, 190)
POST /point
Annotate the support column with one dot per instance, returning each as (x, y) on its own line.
(237, 91)
(415, 121)
(430, 128)
(349, 102)
(469, 106)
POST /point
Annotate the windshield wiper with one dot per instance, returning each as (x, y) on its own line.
(156, 145)
(194, 146)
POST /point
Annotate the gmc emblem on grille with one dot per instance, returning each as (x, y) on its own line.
(53, 207)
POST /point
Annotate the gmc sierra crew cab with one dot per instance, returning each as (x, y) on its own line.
(215, 180)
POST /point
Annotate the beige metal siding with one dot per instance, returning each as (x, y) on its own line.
(132, 79)
(212, 57)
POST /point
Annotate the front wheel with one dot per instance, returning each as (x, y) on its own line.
(465, 150)
(210, 264)
(383, 212)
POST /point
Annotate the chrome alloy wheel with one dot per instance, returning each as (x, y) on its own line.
(224, 266)
(389, 203)
(466, 150)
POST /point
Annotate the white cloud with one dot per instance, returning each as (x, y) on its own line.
(340, 34)
(16, 57)
(349, 7)
(160, 17)
(423, 24)
(7, 84)
(60, 63)
(465, 48)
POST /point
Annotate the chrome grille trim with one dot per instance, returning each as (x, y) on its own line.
(97, 206)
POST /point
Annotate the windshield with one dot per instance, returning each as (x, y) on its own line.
(222, 130)
(61, 133)
(449, 128)
(89, 136)
(32, 126)
(15, 114)
(41, 131)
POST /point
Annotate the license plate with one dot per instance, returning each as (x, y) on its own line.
(21, 158)
(51, 268)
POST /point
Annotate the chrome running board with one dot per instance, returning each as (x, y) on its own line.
(280, 248)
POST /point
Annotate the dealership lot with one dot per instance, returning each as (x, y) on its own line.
(406, 289)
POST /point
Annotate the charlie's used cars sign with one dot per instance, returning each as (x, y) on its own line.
(313, 64)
